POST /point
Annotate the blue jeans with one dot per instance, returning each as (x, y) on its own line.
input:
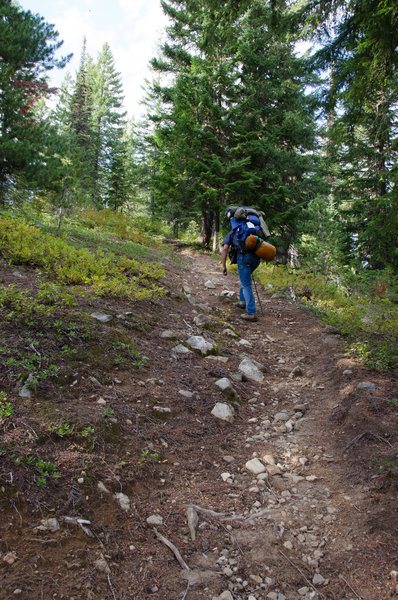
(247, 263)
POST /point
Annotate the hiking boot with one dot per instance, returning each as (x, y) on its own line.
(251, 318)
(241, 305)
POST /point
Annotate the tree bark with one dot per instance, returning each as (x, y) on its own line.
(207, 226)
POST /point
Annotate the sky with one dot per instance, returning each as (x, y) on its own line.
(132, 28)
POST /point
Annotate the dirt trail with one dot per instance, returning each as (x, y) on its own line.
(320, 522)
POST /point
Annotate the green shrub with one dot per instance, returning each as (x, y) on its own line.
(105, 273)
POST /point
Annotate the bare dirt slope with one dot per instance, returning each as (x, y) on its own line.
(320, 521)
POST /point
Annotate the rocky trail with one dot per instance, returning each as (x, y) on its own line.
(266, 464)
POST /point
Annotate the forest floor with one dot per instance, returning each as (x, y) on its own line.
(170, 508)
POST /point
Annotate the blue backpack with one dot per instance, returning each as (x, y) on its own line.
(245, 221)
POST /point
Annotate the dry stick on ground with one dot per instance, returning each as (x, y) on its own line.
(173, 548)
(351, 588)
(187, 590)
(302, 574)
(111, 587)
(222, 517)
(365, 434)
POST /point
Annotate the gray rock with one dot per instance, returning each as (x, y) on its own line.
(50, 524)
(168, 335)
(224, 412)
(198, 342)
(180, 349)
(210, 285)
(201, 320)
(251, 370)
(318, 579)
(25, 392)
(230, 333)
(228, 296)
(101, 565)
(255, 466)
(366, 385)
(102, 317)
(226, 387)
(222, 359)
(281, 417)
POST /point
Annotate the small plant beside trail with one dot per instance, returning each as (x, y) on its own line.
(369, 322)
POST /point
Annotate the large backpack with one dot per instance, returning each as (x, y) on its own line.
(245, 221)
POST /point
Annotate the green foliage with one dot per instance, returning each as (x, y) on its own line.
(27, 50)
(61, 430)
(107, 274)
(6, 408)
(147, 455)
(42, 469)
(369, 322)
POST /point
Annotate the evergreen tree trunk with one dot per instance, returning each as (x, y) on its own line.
(216, 231)
(207, 226)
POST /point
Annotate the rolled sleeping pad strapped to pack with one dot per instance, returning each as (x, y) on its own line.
(262, 249)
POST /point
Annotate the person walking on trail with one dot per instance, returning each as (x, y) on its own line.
(247, 263)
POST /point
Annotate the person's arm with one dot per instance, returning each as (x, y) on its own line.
(224, 255)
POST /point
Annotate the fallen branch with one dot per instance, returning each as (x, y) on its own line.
(82, 523)
(302, 574)
(367, 434)
(173, 548)
(187, 589)
(351, 588)
(223, 517)
(111, 587)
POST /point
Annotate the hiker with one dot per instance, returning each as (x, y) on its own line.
(247, 263)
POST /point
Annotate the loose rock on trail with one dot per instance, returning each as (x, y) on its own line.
(243, 463)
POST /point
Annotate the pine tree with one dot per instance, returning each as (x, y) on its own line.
(275, 129)
(108, 123)
(27, 51)
(362, 55)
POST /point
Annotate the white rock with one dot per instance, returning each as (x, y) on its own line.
(186, 393)
(255, 466)
(123, 500)
(102, 317)
(226, 596)
(162, 409)
(210, 285)
(198, 342)
(223, 411)
(102, 487)
(268, 459)
(226, 476)
(244, 343)
(249, 368)
(155, 520)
